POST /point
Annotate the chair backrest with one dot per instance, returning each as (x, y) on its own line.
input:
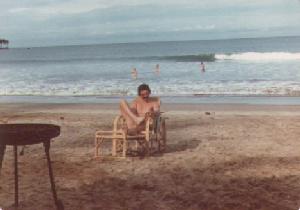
(119, 123)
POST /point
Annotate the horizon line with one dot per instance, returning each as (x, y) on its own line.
(159, 41)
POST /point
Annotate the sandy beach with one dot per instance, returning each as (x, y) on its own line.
(221, 156)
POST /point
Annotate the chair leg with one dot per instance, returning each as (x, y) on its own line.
(136, 145)
(114, 148)
(96, 148)
(124, 147)
(151, 146)
(147, 152)
(148, 143)
(162, 137)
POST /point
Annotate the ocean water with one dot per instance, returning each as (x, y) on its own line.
(236, 67)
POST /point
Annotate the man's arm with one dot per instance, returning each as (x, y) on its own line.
(155, 109)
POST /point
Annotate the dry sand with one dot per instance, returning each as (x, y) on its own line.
(234, 157)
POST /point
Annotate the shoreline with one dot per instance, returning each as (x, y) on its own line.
(189, 99)
(13, 109)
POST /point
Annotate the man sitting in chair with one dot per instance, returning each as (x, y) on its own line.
(140, 109)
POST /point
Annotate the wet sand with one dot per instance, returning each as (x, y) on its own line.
(218, 157)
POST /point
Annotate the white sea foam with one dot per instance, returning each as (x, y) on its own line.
(105, 70)
(284, 88)
(257, 56)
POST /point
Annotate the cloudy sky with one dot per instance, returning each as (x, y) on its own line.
(68, 22)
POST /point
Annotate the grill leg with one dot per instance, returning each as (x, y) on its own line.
(16, 177)
(58, 203)
(2, 151)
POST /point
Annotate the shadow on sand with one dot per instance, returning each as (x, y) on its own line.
(197, 187)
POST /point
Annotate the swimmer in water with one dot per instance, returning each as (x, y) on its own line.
(157, 70)
(202, 66)
(134, 73)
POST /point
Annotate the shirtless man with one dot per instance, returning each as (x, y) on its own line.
(134, 73)
(142, 107)
(157, 70)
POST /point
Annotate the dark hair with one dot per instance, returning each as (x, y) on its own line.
(143, 87)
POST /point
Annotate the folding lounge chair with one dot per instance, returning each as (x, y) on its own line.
(121, 140)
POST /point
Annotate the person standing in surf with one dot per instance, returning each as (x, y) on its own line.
(134, 73)
(202, 66)
(157, 70)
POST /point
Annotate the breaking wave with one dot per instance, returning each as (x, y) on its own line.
(246, 56)
(209, 57)
(190, 58)
(257, 56)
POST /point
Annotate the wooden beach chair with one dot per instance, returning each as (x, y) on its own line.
(152, 138)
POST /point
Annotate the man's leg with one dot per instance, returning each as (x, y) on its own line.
(131, 119)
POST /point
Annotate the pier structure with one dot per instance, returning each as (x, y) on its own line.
(4, 43)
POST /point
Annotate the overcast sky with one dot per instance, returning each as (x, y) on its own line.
(68, 22)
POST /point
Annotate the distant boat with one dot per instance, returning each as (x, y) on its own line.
(4, 44)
